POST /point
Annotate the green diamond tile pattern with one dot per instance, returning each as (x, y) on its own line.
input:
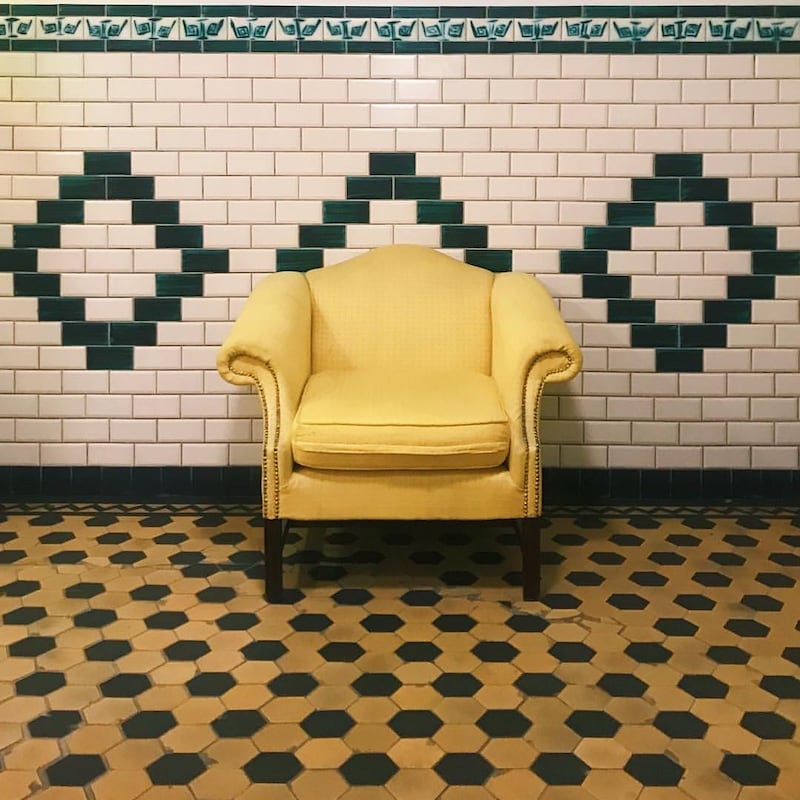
(139, 659)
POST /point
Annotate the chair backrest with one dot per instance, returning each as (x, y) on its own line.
(404, 307)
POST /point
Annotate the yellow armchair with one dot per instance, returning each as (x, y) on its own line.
(400, 384)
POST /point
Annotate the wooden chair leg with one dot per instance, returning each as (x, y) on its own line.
(273, 558)
(530, 542)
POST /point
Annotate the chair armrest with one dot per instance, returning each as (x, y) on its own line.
(531, 345)
(270, 346)
(528, 334)
(273, 330)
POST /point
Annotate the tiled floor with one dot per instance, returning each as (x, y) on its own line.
(139, 659)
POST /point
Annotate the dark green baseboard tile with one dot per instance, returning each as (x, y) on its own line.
(243, 484)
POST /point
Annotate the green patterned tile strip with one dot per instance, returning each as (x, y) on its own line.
(383, 29)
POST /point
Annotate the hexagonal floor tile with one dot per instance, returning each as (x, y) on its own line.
(706, 686)
(238, 724)
(186, 650)
(126, 684)
(768, 725)
(176, 769)
(502, 723)
(210, 684)
(376, 684)
(464, 769)
(39, 684)
(75, 770)
(680, 725)
(572, 652)
(539, 684)
(327, 724)
(415, 724)
(293, 684)
(54, 724)
(368, 769)
(345, 652)
(749, 769)
(31, 646)
(593, 724)
(108, 650)
(654, 769)
(148, 724)
(560, 769)
(621, 684)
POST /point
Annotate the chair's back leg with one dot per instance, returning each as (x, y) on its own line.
(530, 542)
(273, 558)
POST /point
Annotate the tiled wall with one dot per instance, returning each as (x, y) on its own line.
(649, 179)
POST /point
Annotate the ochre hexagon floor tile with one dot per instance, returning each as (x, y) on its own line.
(140, 661)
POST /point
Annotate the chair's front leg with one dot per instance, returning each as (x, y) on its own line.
(529, 529)
(273, 559)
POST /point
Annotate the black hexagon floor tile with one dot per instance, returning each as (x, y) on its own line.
(560, 769)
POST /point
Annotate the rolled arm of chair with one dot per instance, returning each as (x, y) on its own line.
(270, 346)
(531, 346)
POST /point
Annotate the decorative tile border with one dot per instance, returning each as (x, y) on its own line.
(385, 29)
(241, 485)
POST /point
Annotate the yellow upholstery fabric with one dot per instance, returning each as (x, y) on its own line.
(403, 312)
(403, 306)
(385, 419)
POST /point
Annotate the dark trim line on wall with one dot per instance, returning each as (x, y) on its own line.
(242, 485)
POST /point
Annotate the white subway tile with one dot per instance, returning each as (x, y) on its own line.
(727, 360)
(658, 141)
(706, 141)
(207, 211)
(60, 454)
(535, 115)
(138, 90)
(656, 91)
(180, 430)
(110, 454)
(174, 89)
(156, 455)
(702, 433)
(774, 457)
(770, 311)
(254, 64)
(607, 189)
(562, 140)
(664, 238)
(727, 262)
(751, 385)
(37, 430)
(679, 457)
(105, 309)
(86, 430)
(631, 457)
(640, 115)
(37, 333)
(726, 457)
(787, 433)
(155, 64)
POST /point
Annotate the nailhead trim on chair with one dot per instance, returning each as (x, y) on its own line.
(265, 466)
(537, 456)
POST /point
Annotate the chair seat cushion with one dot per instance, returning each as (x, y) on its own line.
(376, 419)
